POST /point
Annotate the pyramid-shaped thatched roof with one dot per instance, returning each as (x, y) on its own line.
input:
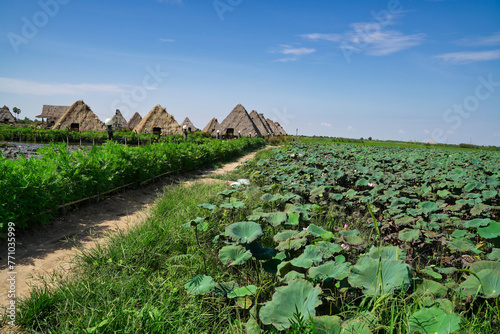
(189, 125)
(268, 127)
(273, 127)
(52, 113)
(6, 116)
(81, 114)
(211, 126)
(281, 131)
(134, 121)
(263, 127)
(118, 121)
(159, 118)
(238, 121)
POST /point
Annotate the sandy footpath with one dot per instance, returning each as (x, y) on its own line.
(52, 247)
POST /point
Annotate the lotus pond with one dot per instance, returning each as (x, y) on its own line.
(355, 239)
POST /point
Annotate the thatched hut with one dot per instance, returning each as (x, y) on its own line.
(281, 131)
(268, 127)
(211, 126)
(6, 116)
(263, 127)
(79, 117)
(238, 122)
(118, 121)
(189, 125)
(52, 113)
(158, 121)
(134, 121)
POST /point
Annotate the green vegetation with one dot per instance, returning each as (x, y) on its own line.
(327, 238)
(34, 188)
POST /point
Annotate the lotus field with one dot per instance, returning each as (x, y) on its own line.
(338, 238)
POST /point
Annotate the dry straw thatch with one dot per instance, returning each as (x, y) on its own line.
(264, 121)
(6, 116)
(118, 121)
(52, 113)
(158, 121)
(79, 117)
(263, 127)
(281, 131)
(134, 121)
(236, 122)
(211, 126)
(189, 125)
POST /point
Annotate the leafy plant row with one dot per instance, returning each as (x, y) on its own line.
(349, 239)
(32, 189)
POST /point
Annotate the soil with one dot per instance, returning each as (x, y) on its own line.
(50, 249)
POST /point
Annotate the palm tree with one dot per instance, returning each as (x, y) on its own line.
(17, 111)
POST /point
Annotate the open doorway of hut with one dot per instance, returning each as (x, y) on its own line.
(74, 127)
(230, 133)
(157, 131)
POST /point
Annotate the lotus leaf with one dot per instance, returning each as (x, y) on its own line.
(355, 326)
(234, 255)
(234, 203)
(200, 285)
(429, 287)
(227, 192)
(270, 197)
(479, 208)
(328, 248)
(194, 222)
(285, 235)
(378, 277)
(336, 197)
(431, 273)
(409, 235)
(316, 230)
(299, 296)
(362, 182)
(312, 255)
(208, 206)
(489, 194)
(326, 324)
(434, 320)
(487, 286)
(276, 218)
(483, 265)
(223, 289)
(387, 252)
(244, 232)
(463, 245)
(248, 290)
(330, 270)
(292, 275)
(353, 239)
(259, 252)
(495, 254)
(491, 231)
(428, 207)
(293, 218)
(244, 303)
(291, 244)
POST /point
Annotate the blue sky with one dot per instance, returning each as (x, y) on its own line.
(403, 70)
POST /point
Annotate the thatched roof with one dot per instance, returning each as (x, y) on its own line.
(81, 114)
(263, 128)
(118, 121)
(211, 126)
(134, 121)
(238, 121)
(264, 121)
(189, 125)
(159, 118)
(6, 116)
(273, 127)
(52, 113)
(281, 131)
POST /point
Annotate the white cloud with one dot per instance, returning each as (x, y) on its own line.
(469, 56)
(496, 135)
(166, 40)
(326, 37)
(402, 132)
(491, 40)
(371, 38)
(26, 87)
(350, 128)
(427, 132)
(292, 52)
(328, 125)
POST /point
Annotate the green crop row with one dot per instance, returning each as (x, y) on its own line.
(33, 189)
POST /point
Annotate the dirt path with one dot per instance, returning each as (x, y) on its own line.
(41, 251)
